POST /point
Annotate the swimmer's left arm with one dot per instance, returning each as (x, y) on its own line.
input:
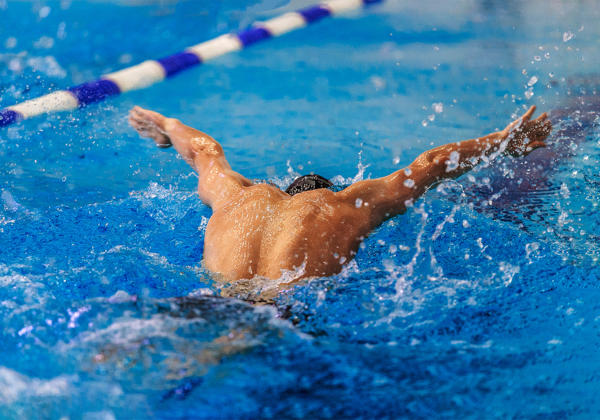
(452, 160)
(388, 196)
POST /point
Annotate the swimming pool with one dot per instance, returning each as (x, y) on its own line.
(481, 301)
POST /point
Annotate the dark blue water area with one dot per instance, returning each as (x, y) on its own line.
(481, 301)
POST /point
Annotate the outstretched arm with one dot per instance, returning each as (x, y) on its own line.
(217, 181)
(388, 196)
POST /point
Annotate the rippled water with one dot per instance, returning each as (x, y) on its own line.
(480, 301)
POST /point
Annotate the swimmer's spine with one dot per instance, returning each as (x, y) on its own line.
(153, 71)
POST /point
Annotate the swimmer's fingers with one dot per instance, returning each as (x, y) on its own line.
(527, 116)
(525, 149)
(534, 145)
(545, 129)
(542, 117)
(136, 113)
(145, 116)
(136, 117)
(541, 123)
(539, 130)
(524, 120)
(519, 122)
(149, 124)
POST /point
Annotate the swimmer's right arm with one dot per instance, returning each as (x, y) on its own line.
(216, 180)
(386, 197)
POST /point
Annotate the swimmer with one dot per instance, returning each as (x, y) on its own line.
(260, 230)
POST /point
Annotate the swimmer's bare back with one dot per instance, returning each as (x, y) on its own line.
(259, 230)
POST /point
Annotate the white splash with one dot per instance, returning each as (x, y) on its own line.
(14, 386)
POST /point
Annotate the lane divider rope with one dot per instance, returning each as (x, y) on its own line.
(153, 71)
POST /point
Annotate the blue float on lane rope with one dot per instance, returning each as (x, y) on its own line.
(153, 71)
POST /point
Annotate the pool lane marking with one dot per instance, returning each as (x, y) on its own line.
(150, 72)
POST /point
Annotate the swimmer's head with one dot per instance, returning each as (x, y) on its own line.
(307, 183)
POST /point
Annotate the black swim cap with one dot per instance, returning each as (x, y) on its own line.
(307, 183)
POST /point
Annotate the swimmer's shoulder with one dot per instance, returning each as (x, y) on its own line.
(304, 201)
(320, 201)
(265, 190)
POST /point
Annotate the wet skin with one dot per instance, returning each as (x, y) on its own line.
(259, 230)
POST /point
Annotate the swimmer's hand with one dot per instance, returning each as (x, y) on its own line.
(525, 135)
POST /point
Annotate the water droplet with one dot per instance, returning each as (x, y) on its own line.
(358, 203)
(10, 42)
(564, 190)
(438, 107)
(15, 65)
(407, 171)
(25, 330)
(567, 36)
(562, 218)
(378, 82)
(409, 183)
(44, 12)
(61, 33)
(44, 42)
(532, 81)
(531, 248)
(125, 58)
(396, 160)
(453, 162)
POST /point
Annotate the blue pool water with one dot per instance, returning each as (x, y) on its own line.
(481, 301)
